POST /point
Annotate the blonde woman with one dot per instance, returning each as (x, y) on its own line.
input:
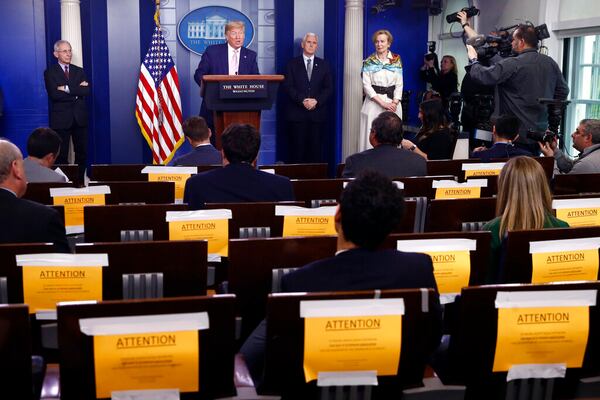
(382, 85)
(524, 202)
(444, 81)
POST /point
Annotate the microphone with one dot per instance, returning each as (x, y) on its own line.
(476, 41)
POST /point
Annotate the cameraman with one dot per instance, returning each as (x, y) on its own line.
(521, 80)
(470, 90)
(586, 140)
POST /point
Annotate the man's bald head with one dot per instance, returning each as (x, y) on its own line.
(12, 175)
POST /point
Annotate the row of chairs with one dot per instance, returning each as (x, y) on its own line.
(472, 348)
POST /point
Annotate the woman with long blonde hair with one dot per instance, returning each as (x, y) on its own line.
(523, 203)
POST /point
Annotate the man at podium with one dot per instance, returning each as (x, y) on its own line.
(226, 59)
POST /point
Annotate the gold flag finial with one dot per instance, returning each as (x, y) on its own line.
(157, 13)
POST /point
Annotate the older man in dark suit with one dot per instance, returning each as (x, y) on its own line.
(238, 180)
(24, 221)
(370, 207)
(308, 85)
(226, 59)
(67, 87)
(386, 157)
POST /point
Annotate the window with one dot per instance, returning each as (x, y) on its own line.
(584, 81)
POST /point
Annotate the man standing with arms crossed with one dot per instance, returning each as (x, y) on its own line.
(67, 87)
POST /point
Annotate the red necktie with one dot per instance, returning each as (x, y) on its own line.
(67, 72)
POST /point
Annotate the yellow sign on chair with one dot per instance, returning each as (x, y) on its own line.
(448, 189)
(300, 221)
(564, 260)
(55, 277)
(178, 175)
(74, 199)
(209, 225)
(146, 352)
(451, 260)
(542, 327)
(482, 169)
(352, 335)
(578, 212)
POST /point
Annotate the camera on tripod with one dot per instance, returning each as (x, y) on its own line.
(471, 12)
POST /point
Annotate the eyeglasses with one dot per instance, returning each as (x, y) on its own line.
(64, 51)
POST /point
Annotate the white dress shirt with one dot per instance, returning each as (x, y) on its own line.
(233, 69)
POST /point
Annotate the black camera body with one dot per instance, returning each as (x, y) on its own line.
(471, 12)
(539, 136)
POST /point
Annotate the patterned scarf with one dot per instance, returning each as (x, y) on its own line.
(373, 64)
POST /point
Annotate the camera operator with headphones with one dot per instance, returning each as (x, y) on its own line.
(520, 81)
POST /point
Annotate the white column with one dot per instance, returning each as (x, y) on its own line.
(353, 55)
(70, 28)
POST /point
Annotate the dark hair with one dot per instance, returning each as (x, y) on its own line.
(434, 117)
(527, 33)
(507, 126)
(241, 143)
(195, 128)
(371, 207)
(43, 141)
(387, 128)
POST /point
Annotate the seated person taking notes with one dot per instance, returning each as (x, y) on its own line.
(43, 146)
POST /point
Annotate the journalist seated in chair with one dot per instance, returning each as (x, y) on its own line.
(198, 135)
(370, 207)
(43, 146)
(385, 157)
(504, 132)
(586, 140)
(524, 202)
(238, 180)
(434, 140)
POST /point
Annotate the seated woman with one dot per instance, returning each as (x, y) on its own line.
(434, 140)
(524, 202)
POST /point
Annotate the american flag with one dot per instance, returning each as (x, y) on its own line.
(158, 104)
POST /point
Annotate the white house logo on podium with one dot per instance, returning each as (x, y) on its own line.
(205, 26)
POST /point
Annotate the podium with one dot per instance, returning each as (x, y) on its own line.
(238, 99)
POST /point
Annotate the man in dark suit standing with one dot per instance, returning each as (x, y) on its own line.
(67, 87)
(226, 59)
(386, 157)
(309, 86)
(370, 208)
(198, 135)
(24, 221)
(238, 180)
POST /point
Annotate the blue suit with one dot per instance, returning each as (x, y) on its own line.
(200, 155)
(216, 62)
(500, 150)
(234, 183)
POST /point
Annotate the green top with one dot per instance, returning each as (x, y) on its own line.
(494, 227)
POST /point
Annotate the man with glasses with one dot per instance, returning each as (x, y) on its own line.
(586, 140)
(67, 87)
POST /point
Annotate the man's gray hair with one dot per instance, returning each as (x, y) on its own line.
(310, 34)
(59, 42)
(592, 127)
(8, 154)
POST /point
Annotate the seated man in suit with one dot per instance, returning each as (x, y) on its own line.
(370, 208)
(43, 146)
(24, 221)
(386, 157)
(238, 180)
(198, 135)
(504, 132)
